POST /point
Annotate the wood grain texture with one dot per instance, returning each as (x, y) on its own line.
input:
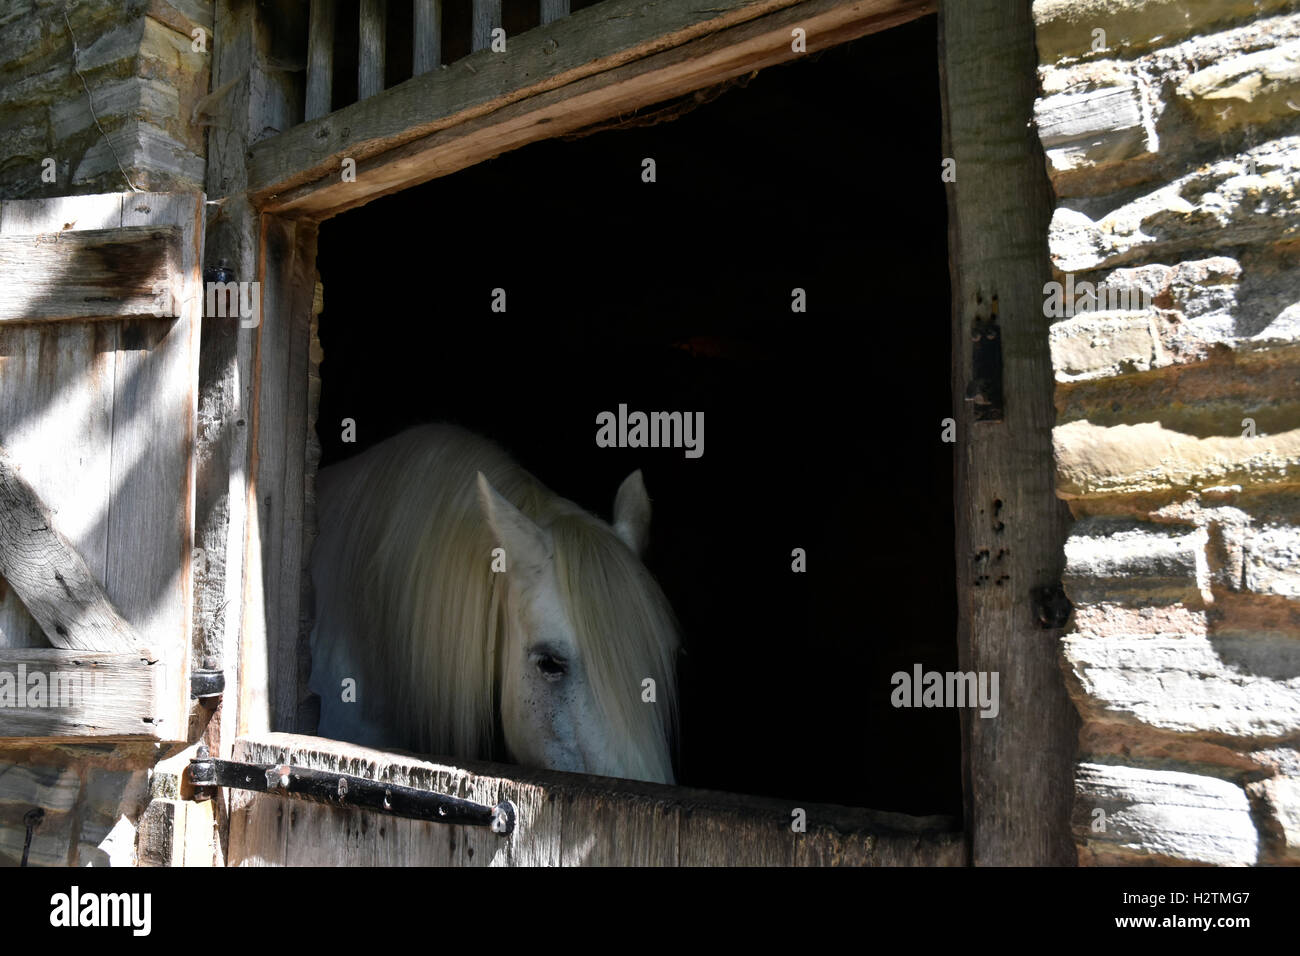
(564, 819)
(372, 53)
(486, 17)
(320, 59)
(95, 273)
(613, 57)
(552, 10)
(50, 577)
(274, 628)
(427, 48)
(263, 101)
(1017, 766)
(111, 694)
(100, 418)
(36, 404)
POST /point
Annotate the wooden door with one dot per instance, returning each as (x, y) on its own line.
(100, 307)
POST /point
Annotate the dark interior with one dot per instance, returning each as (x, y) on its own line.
(822, 428)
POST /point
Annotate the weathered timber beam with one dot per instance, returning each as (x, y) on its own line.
(486, 17)
(88, 274)
(444, 121)
(552, 10)
(50, 577)
(371, 52)
(427, 51)
(50, 693)
(320, 58)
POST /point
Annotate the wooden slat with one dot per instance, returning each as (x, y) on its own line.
(100, 273)
(1018, 767)
(272, 625)
(121, 694)
(553, 10)
(50, 577)
(371, 50)
(427, 50)
(597, 63)
(320, 59)
(486, 18)
(564, 819)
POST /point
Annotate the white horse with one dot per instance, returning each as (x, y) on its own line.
(545, 663)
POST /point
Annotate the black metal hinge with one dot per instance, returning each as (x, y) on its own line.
(345, 790)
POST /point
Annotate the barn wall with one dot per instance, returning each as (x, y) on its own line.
(146, 82)
(1173, 145)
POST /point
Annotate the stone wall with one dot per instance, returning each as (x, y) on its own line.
(146, 82)
(1172, 137)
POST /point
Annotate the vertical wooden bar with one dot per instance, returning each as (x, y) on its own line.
(487, 17)
(320, 58)
(1018, 766)
(370, 50)
(553, 10)
(428, 36)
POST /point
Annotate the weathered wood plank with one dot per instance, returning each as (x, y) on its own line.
(371, 50)
(98, 273)
(553, 10)
(1018, 766)
(225, 527)
(590, 46)
(50, 577)
(573, 820)
(151, 508)
(273, 625)
(486, 18)
(99, 694)
(320, 59)
(427, 50)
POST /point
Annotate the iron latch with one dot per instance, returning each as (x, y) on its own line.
(347, 791)
(206, 684)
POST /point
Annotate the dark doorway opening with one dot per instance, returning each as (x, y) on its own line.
(822, 428)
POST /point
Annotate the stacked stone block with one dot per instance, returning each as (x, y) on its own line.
(1172, 137)
(147, 84)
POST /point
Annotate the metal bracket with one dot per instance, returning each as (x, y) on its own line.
(345, 790)
(205, 684)
(984, 391)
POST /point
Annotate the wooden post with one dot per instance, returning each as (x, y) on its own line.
(428, 36)
(320, 59)
(1017, 766)
(553, 10)
(370, 50)
(487, 17)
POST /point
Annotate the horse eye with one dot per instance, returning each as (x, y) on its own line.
(552, 667)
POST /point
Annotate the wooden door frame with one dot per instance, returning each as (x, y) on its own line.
(1017, 775)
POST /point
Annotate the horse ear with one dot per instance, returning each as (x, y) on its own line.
(632, 512)
(527, 546)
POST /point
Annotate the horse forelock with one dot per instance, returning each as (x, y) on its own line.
(626, 632)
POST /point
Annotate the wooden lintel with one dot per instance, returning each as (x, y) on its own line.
(49, 694)
(89, 274)
(609, 59)
(50, 577)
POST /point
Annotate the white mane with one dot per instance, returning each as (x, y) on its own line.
(408, 606)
